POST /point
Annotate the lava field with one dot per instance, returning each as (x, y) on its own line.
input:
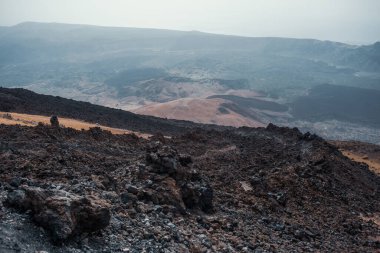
(244, 190)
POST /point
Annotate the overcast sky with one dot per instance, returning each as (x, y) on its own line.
(354, 21)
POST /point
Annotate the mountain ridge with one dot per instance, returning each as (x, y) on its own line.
(29, 24)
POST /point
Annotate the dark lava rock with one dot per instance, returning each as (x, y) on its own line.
(185, 159)
(163, 159)
(170, 194)
(300, 194)
(195, 194)
(127, 197)
(133, 189)
(54, 121)
(280, 197)
(17, 181)
(62, 213)
(193, 191)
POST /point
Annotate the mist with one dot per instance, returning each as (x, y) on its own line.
(349, 21)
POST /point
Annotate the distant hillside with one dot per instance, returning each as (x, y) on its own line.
(331, 102)
(63, 55)
(24, 101)
(150, 70)
(206, 111)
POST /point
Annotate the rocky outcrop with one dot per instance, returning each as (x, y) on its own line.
(195, 192)
(163, 159)
(62, 213)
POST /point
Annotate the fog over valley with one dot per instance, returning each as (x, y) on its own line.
(256, 80)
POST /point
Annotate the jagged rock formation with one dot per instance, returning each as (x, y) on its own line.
(62, 213)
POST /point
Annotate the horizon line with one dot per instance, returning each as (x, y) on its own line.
(352, 43)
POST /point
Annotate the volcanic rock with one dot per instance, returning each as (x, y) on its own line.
(60, 212)
(54, 121)
(163, 159)
(198, 194)
(304, 194)
(187, 188)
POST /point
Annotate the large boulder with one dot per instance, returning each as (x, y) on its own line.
(62, 213)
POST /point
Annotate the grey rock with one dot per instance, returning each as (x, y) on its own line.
(62, 213)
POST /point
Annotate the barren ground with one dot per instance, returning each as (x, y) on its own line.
(361, 152)
(33, 120)
(198, 110)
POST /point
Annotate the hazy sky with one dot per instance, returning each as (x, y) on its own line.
(355, 21)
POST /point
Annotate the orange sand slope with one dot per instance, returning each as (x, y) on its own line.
(361, 152)
(33, 120)
(372, 164)
(198, 110)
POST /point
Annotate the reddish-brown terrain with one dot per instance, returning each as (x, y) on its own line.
(199, 110)
(361, 152)
(33, 120)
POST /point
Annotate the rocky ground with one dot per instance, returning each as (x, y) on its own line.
(361, 152)
(243, 190)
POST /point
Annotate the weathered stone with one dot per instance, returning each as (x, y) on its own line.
(62, 213)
